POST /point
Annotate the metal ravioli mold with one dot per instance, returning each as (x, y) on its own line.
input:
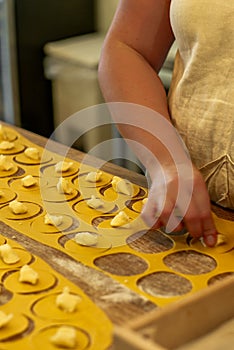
(160, 267)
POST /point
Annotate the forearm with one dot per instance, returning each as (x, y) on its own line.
(126, 76)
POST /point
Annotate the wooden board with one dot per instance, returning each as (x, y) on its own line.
(203, 321)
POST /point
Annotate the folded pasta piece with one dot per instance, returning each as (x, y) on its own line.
(28, 275)
(63, 166)
(5, 163)
(221, 239)
(93, 176)
(8, 255)
(54, 220)
(4, 319)
(18, 207)
(6, 145)
(32, 153)
(1, 193)
(94, 202)
(63, 186)
(86, 238)
(121, 185)
(121, 219)
(64, 337)
(66, 301)
(28, 181)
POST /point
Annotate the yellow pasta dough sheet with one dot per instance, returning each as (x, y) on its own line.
(84, 213)
(36, 315)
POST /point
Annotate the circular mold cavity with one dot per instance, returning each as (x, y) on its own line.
(46, 281)
(50, 172)
(33, 209)
(12, 171)
(7, 195)
(82, 207)
(135, 205)
(16, 185)
(225, 245)
(9, 135)
(190, 262)
(150, 242)
(18, 147)
(24, 160)
(41, 306)
(41, 340)
(122, 264)
(24, 258)
(111, 194)
(2, 240)
(51, 194)
(17, 328)
(68, 242)
(6, 295)
(81, 182)
(220, 277)
(67, 224)
(102, 221)
(164, 284)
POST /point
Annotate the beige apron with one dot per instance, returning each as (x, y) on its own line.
(201, 97)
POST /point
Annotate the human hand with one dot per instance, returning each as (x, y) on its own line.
(190, 209)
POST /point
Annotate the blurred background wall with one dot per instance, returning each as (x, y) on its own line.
(49, 55)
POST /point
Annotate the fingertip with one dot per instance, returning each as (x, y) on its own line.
(210, 240)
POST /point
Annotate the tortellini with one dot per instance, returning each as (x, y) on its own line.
(8, 255)
(66, 301)
(121, 219)
(28, 275)
(32, 153)
(18, 207)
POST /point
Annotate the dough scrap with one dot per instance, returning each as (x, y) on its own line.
(18, 207)
(54, 220)
(4, 319)
(63, 166)
(66, 301)
(121, 185)
(144, 201)
(28, 181)
(94, 202)
(93, 176)
(28, 275)
(32, 153)
(64, 337)
(121, 219)
(86, 238)
(6, 145)
(63, 186)
(5, 164)
(8, 255)
(221, 240)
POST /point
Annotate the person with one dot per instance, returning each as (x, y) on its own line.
(199, 104)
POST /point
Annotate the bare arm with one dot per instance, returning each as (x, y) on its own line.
(134, 51)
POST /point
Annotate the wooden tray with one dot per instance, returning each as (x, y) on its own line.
(202, 321)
